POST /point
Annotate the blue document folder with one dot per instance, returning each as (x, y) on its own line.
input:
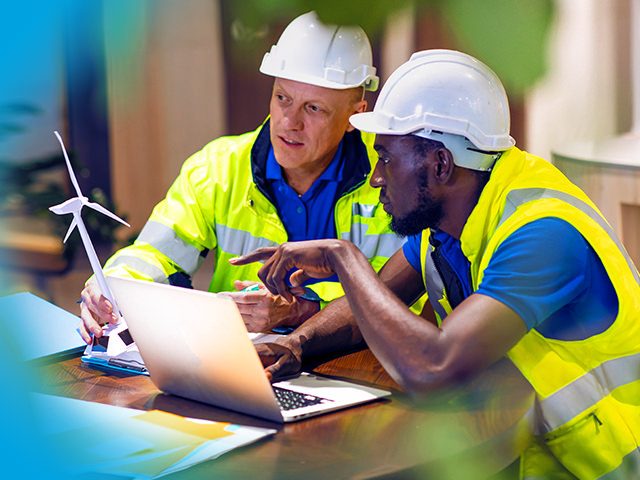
(39, 330)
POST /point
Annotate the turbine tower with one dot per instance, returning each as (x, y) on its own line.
(74, 205)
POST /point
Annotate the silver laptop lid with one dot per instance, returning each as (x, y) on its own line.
(177, 333)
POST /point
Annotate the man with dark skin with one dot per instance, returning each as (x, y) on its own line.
(375, 307)
(516, 260)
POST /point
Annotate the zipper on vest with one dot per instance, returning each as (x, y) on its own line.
(598, 422)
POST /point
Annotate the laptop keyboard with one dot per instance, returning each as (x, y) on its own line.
(289, 400)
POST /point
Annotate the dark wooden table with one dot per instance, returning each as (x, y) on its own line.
(469, 432)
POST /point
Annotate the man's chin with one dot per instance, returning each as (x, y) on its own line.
(406, 227)
(399, 228)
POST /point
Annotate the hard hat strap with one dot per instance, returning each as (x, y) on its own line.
(465, 154)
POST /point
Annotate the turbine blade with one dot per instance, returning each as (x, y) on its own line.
(74, 181)
(71, 227)
(104, 211)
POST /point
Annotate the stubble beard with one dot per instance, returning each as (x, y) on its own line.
(427, 214)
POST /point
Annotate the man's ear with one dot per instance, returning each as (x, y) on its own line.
(359, 107)
(443, 166)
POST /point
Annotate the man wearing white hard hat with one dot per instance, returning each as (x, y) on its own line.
(301, 175)
(517, 261)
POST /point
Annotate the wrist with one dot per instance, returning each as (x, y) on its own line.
(294, 343)
(342, 255)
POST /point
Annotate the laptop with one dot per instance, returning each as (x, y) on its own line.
(196, 345)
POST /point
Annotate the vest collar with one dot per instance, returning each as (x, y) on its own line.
(485, 215)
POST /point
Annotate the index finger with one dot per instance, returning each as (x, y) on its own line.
(258, 255)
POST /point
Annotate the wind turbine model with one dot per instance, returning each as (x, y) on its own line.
(74, 206)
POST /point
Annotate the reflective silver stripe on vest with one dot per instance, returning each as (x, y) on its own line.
(165, 240)
(363, 210)
(434, 284)
(239, 242)
(515, 198)
(140, 266)
(382, 245)
(629, 468)
(587, 390)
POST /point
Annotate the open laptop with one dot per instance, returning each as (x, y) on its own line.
(196, 345)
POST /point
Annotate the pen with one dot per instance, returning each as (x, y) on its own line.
(307, 295)
(123, 364)
(251, 288)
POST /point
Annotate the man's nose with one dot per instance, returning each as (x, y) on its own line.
(377, 179)
(293, 119)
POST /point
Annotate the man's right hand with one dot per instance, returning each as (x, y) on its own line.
(95, 311)
(279, 359)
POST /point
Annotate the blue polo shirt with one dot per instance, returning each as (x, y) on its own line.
(309, 216)
(546, 272)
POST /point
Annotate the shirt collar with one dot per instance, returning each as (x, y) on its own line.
(273, 171)
(333, 173)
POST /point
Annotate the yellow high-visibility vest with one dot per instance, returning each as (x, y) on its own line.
(587, 412)
(218, 205)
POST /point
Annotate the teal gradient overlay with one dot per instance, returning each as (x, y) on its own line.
(41, 43)
(25, 451)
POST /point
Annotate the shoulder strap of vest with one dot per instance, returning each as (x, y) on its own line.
(357, 165)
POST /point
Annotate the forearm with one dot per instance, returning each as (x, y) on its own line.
(302, 311)
(142, 262)
(336, 325)
(417, 354)
(332, 329)
(407, 346)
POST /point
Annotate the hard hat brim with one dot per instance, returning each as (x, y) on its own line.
(380, 124)
(372, 122)
(313, 80)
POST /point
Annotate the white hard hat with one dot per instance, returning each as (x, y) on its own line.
(328, 56)
(447, 96)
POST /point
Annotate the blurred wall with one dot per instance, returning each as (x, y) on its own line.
(586, 93)
(411, 30)
(190, 74)
(166, 95)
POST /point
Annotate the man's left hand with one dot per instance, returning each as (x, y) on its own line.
(262, 311)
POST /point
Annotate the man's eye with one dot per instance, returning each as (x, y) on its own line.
(384, 159)
(314, 108)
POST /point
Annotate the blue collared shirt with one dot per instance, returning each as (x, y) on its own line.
(564, 293)
(309, 216)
